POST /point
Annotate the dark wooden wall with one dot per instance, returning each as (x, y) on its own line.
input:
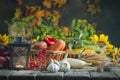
(107, 21)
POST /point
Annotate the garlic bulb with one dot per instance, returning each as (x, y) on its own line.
(64, 64)
(77, 64)
(53, 66)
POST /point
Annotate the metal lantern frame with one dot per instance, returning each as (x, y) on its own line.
(13, 50)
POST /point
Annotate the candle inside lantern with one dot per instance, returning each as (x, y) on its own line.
(19, 66)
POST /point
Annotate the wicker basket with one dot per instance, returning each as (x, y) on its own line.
(56, 55)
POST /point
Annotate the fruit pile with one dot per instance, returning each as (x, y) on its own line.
(49, 43)
(39, 60)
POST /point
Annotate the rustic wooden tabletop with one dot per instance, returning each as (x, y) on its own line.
(70, 75)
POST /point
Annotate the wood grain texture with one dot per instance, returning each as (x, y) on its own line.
(71, 75)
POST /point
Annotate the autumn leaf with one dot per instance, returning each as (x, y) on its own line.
(20, 2)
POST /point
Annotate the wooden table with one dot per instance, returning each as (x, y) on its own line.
(71, 75)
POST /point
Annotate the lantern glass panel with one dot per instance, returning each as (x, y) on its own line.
(19, 57)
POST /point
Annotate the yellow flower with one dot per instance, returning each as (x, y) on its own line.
(3, 39)
(103, 38)
(116, 51)
(113, 59)
(94, 38)
(115, 54)
(109, 48)
(108, 52)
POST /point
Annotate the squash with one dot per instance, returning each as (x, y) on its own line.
(77, 64)
(58, 46)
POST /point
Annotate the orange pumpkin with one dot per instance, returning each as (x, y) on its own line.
(59, 45)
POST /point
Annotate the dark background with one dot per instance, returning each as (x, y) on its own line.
(107, 21)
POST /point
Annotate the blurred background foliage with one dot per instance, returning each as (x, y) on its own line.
(104, 14)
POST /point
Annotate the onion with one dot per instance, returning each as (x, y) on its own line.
(7, 59)
(42, 45)
(4, 50)
(2, 60)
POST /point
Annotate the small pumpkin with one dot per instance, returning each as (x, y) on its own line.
(59, 45)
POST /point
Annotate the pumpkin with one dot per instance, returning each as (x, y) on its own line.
(59, 45)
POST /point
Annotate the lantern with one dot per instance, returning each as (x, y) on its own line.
(19, 54)
(19, 48)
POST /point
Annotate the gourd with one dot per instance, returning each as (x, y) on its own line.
(77, 64)
(53, 66)
(59, 45)
(64, 64)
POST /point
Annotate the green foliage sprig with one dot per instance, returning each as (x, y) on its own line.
(47, 27)
(81, 28)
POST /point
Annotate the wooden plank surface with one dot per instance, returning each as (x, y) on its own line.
(103, 76)
(23, 75)
(4, 74)
(70, 75)
(44, 75)
(76, 76)
(117, 73)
